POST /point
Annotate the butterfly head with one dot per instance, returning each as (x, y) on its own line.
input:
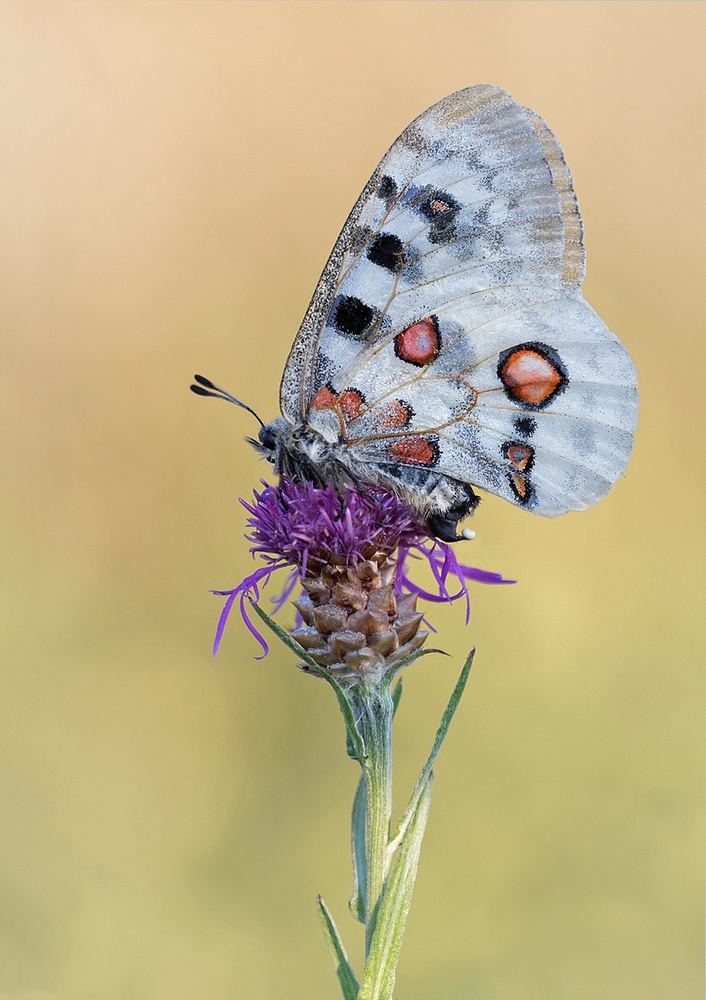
(270, 441)
(299, 452)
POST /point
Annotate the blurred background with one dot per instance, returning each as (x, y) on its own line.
(173, 176)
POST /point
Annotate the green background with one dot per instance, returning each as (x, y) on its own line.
(173, 176)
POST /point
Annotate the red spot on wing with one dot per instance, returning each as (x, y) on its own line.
(415, 451)
(520, 486)
(395, 415)
(324, 399)
(520, 455)
(420, 343)
(530, 377)
(351, 402)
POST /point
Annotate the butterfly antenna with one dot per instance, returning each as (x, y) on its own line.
(206, 387)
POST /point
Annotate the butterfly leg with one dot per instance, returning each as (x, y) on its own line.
(444, 525)
(299, 467)
(359, 485)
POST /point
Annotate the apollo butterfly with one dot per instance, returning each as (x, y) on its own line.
(447, 345)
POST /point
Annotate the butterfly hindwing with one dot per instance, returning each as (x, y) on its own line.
(448, 334)
(510, 385)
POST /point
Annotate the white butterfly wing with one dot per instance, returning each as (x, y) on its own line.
(448, 331)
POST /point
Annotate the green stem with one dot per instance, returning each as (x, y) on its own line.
(374, 710)
(381, 964)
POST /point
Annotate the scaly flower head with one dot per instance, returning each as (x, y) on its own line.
(357, 614)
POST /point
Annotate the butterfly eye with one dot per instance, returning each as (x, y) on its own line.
(267, 438)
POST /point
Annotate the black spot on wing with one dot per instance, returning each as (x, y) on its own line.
(352, 317)
(436, 204)
(442, 231)
(386, 250)
(387, 189)
(437, 207)
(526, 426)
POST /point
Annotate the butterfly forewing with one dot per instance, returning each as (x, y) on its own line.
(448, 332)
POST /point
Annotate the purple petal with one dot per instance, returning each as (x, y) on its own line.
(251, 628)
(482, 575)
(292, 581)
(223, 617)
(250, 585)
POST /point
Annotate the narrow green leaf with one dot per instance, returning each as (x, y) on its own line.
(344, 970)
(360, 865)
(381, 965)
(408, 660)
(441, 732)
(396, 697)
(353, 738)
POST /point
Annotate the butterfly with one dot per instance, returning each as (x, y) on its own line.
(447, 345)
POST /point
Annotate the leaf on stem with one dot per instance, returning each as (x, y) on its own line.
(409, 660)
(441, 732)
(357, 901)
(396, 697)
(344, 970)
(381, 964)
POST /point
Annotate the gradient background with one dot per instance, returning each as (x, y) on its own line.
(173, 176)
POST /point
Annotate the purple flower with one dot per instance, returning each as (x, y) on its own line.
(351, 554)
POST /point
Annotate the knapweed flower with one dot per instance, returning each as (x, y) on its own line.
(357, 613)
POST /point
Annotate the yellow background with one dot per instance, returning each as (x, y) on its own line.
(172, 177)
